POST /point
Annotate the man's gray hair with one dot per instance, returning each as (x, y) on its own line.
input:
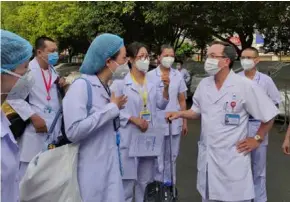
(229, 51)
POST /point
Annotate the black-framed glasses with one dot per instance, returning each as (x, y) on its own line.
(215, 56)
(247, 57)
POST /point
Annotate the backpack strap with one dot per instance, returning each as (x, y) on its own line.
(60, 111)
(89, 92)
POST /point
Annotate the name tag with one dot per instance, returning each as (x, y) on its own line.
(48, 109)
(232, 119)
(146, 115)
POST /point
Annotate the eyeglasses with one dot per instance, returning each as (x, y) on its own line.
(215, 56)
(142, 57)
(247, 57)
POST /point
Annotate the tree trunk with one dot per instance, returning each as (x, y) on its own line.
(201, 54)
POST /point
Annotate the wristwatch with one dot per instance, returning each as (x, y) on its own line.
(258, 138)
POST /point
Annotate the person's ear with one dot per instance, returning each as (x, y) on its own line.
(257, 60)
(108, 62)
(131, 60)
(159, 58)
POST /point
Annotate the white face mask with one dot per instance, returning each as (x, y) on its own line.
(247, 64)
(167, 61)
(119, 69)
(143, 65)
(22, 87)
(211, 66)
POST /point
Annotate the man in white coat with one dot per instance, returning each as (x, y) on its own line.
(184, 73)
(224, 101)
(42, 104)
(249, 60)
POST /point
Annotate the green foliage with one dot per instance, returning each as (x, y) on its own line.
(75, 24)
(185, 51)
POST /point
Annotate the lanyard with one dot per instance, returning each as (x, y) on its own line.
(107, 89)
(116, 123)
(47, 85)
(143, 93)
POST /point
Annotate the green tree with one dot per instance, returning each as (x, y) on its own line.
(185, 51)
(227, 18)
(277, 36)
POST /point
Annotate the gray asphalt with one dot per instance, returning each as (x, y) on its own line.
(278, 166)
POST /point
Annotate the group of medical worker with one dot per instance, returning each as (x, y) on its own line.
(236, 115)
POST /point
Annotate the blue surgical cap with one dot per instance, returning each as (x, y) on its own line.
(14, 50)
(103, 47)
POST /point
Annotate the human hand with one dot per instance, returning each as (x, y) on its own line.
(38, 123)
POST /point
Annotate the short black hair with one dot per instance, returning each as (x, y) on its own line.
(40, 42)
(165, 46)
(179, 61)
(229, 51)
(252, 49)
(133, 49)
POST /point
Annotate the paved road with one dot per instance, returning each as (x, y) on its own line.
(278, 167)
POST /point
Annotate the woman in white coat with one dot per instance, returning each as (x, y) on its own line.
(142, 97)
(98, 164)
(177, 101)
(16, 83)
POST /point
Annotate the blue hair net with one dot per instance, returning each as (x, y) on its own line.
(103, 47)
(14, 50)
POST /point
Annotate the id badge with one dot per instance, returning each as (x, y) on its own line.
(47, 109)
(117, 123)
(146, 115)
(232, 119)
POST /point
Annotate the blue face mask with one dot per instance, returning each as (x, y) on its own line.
(53, 58)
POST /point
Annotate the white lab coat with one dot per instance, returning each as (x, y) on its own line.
(259, 156)
(185, 75)
(269, 87)
(229, 172)
(133, 107)
(9, 163)
(176, 86)
(98, 165)
(31, 143)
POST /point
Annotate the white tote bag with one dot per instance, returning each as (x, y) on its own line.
(52, 176)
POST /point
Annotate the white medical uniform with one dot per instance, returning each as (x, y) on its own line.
(176, 86)
(98, 164)
(140, 169)
(9, 163)
(259, 155)
(186, 76)
(31, 143)
(223, 173)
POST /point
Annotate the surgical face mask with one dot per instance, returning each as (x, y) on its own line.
(22, 87)
(52, 58)
(178, 66)
(143, 65)
(119, 69)
(247, 64)
(211, 66)
(167, 61)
